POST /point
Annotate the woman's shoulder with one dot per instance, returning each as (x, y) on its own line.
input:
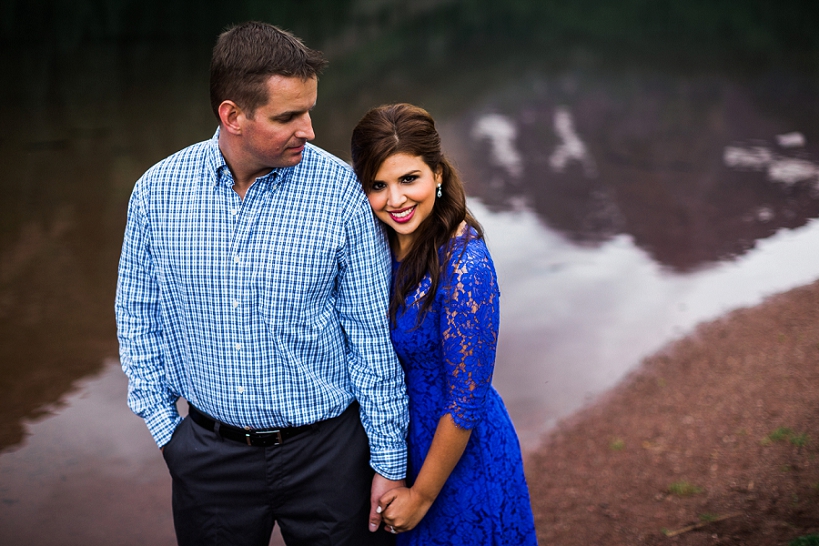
(468, 254)
(468, 243)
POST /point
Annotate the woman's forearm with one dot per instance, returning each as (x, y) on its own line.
(448, 445)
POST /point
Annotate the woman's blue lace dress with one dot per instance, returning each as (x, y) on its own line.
(448, 360)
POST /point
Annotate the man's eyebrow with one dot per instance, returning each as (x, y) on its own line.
(288, 114)
(291, 113)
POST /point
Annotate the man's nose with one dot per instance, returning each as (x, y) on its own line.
(305, 129)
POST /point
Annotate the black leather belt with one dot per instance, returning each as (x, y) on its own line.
(261, 438)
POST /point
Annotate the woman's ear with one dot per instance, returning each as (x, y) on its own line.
(439, 174)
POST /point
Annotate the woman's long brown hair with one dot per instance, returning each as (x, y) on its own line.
(407, 129)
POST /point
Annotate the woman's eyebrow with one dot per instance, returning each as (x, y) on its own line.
(415, 171)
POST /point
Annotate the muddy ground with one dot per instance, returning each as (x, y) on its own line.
(715, 440)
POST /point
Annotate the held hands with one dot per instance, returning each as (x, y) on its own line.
(379, 488)
(402, 508)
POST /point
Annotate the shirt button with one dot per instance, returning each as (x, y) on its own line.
(238, 346)
(240, 389)
(234, 212)
(236, 259)
(235, 304)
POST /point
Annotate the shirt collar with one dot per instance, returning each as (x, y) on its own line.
(222, 174)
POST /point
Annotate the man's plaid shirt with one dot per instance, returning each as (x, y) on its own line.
(265, 312)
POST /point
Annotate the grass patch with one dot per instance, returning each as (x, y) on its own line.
(617, 444)
(684, 489)
(708, 518)
(799, 440)
(807, 540)
(785, 434)
(781, 434)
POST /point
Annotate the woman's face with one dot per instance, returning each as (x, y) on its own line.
(402, 194)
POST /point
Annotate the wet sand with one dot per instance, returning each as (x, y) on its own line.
(721, 424)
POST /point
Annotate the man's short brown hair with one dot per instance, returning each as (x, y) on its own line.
(246, 55)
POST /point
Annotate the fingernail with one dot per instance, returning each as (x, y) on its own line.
(373, 527)
(378, 510)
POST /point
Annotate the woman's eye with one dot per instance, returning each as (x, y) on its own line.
(409, 178)
(377, 186)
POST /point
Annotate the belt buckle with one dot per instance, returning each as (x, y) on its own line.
(262, 434)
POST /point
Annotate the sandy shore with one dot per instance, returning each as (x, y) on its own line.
(715, 440)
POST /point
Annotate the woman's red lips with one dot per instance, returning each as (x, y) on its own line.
(403, 215)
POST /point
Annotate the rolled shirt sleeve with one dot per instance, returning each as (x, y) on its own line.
(139, 326)
(376, 375)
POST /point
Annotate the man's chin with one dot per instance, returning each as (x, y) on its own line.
(290, 160)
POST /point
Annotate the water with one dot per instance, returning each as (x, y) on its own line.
(627, 196)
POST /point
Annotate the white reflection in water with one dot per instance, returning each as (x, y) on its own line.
(501, 133)
(571, 147)
(576, 320)
(791, 140)
(779, 168)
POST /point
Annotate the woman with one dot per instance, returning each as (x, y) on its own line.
(465, 469)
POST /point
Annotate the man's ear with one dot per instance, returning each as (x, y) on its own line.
(231, 116)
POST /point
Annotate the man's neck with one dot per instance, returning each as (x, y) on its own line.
(244, 173)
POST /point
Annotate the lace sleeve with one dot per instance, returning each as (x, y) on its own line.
(469, 327)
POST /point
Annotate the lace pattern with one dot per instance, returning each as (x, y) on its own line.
(448, 356)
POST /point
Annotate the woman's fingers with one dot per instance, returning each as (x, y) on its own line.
(383, 506)
(385, 500)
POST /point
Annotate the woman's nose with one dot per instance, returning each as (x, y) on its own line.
(395, 197)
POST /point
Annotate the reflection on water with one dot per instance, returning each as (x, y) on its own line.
(93, 458)
(89, 475)
(777, 167)
(637, 172)
(663, 158)
(575, 320)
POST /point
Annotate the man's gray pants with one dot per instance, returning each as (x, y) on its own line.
(316, 486)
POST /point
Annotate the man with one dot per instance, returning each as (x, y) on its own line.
(253, 283)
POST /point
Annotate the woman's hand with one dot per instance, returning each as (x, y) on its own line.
(402, 508)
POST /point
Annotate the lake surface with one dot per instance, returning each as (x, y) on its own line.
(625, 200)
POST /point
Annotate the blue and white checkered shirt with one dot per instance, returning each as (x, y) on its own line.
(265, 312)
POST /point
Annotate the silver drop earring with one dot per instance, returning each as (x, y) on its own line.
(439, 190)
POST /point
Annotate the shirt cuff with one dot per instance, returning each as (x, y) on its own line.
(390, 462)
(162, 424)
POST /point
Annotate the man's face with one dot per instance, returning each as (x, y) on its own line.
(276, 134)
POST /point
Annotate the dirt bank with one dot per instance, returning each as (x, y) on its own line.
(719, 431)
